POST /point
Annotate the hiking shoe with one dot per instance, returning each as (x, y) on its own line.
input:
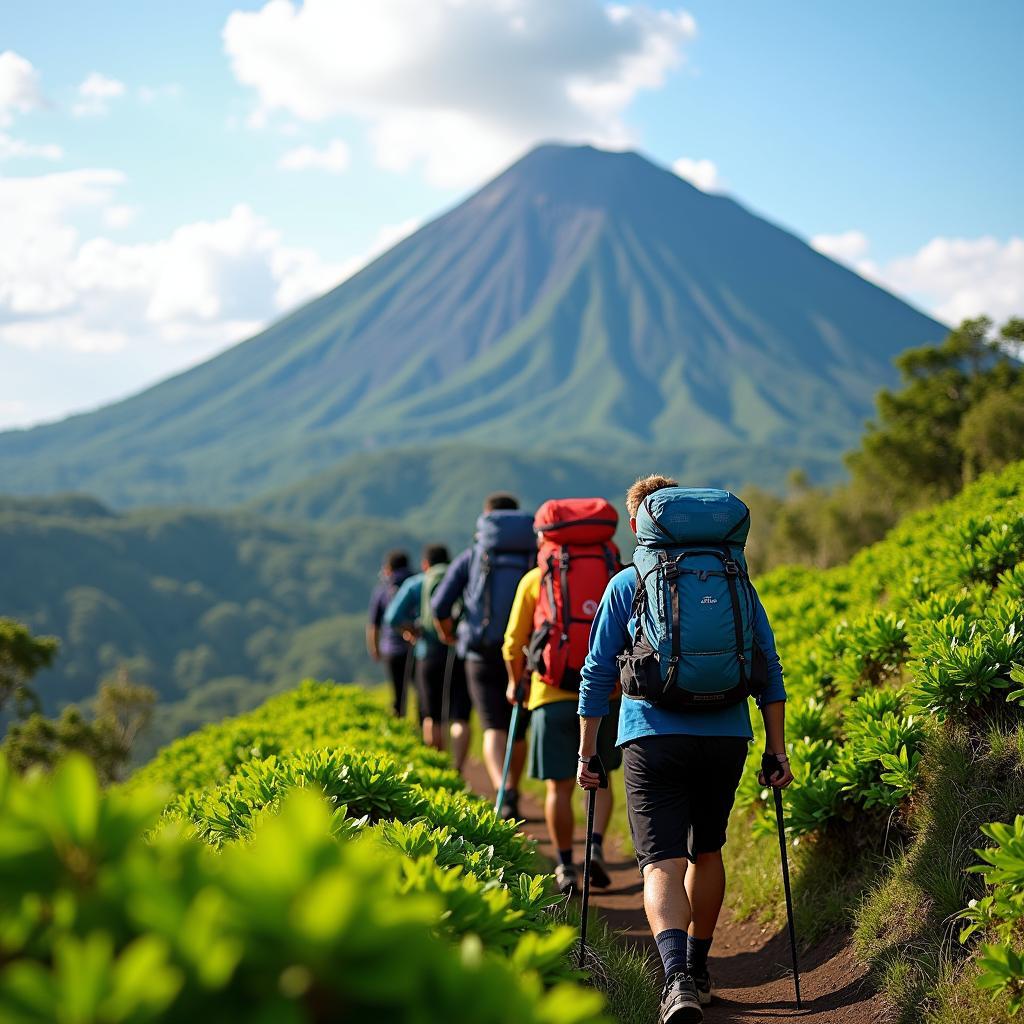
(679, 1002)
(599, 876)
(702, 982)
(510, 806)
(566, 878)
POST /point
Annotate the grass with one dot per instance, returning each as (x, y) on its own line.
(906, 926)
(627, 974)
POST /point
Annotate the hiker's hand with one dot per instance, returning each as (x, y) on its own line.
(780, 776)
(409, 636)
(512, 693)
(585, 778)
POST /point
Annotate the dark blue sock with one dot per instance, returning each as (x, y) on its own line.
(598, 839)
(672, 947)
(697, 954)
(565, 857)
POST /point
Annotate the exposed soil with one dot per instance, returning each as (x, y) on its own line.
(750, 965)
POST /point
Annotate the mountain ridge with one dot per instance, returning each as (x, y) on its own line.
(591, 293)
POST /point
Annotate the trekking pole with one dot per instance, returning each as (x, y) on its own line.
(512, 725)
(593, 765)
(446, 698)
(770, 767)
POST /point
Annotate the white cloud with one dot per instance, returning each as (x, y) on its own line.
(11, 148)
(152, 93)
(334, 158)
(954, 278)
(965, 277)
(702, 173)
(95, 94)
(847, 246)
(120, 215)
(458, 87)
(19, 87)
(76, 304)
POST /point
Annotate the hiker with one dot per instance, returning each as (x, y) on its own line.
(383, 642)
(551, 617)
(484, 578)
(440, 673)
(686, 632)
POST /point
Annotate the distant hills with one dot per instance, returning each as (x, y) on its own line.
(583, 318)
(584, 303)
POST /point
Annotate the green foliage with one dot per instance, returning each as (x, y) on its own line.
(121, 711)
(301, 847)
(958, 413)
(22, 655)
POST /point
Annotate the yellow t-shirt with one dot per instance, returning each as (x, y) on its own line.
(517, 636)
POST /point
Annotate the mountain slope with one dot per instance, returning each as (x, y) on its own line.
(583, 302)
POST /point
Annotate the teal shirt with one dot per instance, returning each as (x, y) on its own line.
(404, 609)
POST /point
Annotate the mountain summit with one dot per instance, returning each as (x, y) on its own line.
(583, 301)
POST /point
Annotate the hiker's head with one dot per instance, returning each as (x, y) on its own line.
(500, 500)
(395, 561)
(434, 554)
(644, 486)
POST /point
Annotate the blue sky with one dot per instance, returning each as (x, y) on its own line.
(177, 175)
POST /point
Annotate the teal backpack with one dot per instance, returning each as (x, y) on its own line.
(692, 618)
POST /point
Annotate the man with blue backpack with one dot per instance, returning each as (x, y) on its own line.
(685, 632)
(484, 578)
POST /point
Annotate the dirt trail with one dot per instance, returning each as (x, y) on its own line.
(749, 965)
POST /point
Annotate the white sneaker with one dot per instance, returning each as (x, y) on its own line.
(566, 878)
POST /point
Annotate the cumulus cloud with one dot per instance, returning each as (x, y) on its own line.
(19, 87)
(334, 158)
(121, 314)
(702, 173)
(95, 94)
(458, 87)
(846, 246)
(11, 148)
(954, 278)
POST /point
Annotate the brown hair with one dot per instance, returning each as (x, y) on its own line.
(500, 501)
(644, 486)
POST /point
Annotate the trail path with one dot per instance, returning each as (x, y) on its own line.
(749, 964)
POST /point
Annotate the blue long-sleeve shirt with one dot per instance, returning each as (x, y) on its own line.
(449, 592)
(611, 635)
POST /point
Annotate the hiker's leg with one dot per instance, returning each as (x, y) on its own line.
(558, 813)
(460, 743)
(665, 899)
(495, 741)
(705, 890)
(430, 733)
(515, 769)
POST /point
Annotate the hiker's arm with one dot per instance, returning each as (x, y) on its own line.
(772, 699)
(448, 592)
(517, 633)
(372, 637)
(609, 637)
(400, 613)
(376, 616)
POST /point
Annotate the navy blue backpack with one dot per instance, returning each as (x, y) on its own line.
(692, 618)
(504, 550)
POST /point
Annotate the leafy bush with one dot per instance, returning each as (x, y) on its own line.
(298, 849)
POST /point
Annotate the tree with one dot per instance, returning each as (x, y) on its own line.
(912, 453)
(991, 433)
(122, 710)
(22, 655)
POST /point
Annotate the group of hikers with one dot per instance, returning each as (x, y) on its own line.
(646, 667)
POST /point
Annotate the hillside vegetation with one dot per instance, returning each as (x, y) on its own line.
(592, 292)
(315, 863)
(907, 738)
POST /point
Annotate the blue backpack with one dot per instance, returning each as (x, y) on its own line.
(692, 618)
(504, 550)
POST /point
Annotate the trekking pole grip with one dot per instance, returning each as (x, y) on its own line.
(596, 766)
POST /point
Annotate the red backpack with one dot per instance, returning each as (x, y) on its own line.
(577, 557)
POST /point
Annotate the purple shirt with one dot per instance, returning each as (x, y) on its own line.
(390, 639)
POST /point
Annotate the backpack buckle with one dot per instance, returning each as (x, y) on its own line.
(732, 568)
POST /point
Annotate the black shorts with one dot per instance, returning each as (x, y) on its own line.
(488, 682)
(430, 674)
(679, 793)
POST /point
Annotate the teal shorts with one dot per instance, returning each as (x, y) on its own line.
(555, 740)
